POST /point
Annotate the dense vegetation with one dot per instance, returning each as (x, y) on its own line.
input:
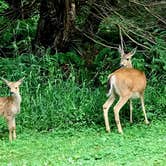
(65, 85)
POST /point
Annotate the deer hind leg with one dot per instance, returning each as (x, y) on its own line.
(106, 107)
(143, 109)
(131, 111)
(122, 101)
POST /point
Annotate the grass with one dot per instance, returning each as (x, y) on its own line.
(140, 145)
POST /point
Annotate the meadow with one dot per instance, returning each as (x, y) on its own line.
(91, 146)
(61, 120)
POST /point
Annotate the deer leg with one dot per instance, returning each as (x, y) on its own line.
(131, 112)
(143, 109)
(117, 108)
(14, 128)
(106, 107)
(10, 134)
(9, 121)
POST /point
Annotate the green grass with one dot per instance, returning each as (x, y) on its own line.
(140, 145)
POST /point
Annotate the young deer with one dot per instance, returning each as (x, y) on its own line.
(10, 106)
(127, 83)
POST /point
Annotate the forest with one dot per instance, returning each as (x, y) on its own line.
(65, 50)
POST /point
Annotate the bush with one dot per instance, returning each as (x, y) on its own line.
(50, 97)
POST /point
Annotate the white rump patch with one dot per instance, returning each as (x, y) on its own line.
(112, 84)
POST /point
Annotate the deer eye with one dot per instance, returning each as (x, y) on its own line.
(127, 59)
(15, 87)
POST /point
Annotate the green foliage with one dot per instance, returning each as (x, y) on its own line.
(17, 37)
(158, 63)
(105, 63)
(139, 63)
(3, 6)
(69, 58)
(156, 102)
(109, 25)
(51, 98)
(82, 16)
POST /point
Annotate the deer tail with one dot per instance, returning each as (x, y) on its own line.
(109, 86)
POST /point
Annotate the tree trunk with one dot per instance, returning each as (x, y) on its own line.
(55, 24)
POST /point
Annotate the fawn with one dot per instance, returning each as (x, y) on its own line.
(127, 83)
(10, 106)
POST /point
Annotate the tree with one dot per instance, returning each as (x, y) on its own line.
(55, 24)
(99, 22)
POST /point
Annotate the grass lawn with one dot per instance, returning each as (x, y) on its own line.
(140, 145)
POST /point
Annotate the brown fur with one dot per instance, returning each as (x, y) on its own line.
(129, 79)
(127, 83)
(10, 106)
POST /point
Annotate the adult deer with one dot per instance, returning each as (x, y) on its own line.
(127, 83)
(10, 106)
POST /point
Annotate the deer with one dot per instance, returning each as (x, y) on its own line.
(126, 83)
(10, 106)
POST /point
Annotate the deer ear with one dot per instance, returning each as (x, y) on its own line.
(20, 80)
(121, 51)
(133, 52)
(6, 81)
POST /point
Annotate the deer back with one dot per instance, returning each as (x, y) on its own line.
(128, 80)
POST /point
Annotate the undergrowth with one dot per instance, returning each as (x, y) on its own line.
(61, 96)
(51, 97)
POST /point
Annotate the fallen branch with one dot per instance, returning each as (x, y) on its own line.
(155, 15)
(95, 41)
(134, 41)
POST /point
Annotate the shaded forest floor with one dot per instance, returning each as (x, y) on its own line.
(140, 145)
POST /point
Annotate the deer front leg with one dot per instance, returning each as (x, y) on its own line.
(14, 128)
(10, 134)
(106, 107)
(9, 121)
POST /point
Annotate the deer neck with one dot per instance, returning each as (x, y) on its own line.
(129, 66)
(16, 99)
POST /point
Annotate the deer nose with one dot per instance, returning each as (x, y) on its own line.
(121, 65)
(11, 93)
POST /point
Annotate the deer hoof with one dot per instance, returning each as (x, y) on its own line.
(147, 122)
(108, 130)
